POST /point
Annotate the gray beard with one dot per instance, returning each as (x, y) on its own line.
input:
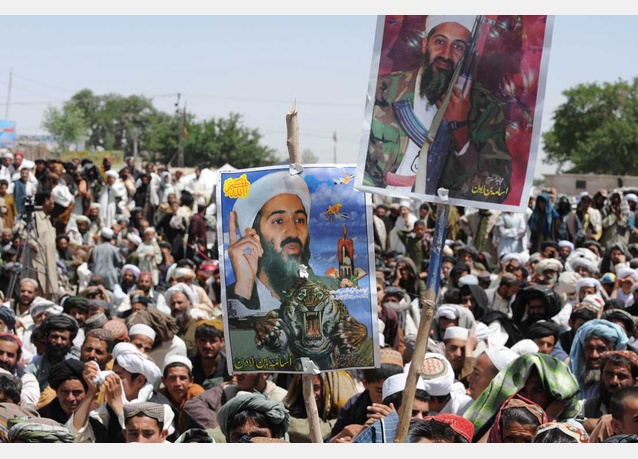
(589, 376)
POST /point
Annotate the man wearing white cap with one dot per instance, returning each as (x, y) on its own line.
(416, 97)
(404, 222)
(455, 339)
(486, 367)
(565, 248)
(112, 199)
(106, 259)
(269, 243)
(134, 379)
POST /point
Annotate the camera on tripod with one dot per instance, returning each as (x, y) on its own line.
(29, 205)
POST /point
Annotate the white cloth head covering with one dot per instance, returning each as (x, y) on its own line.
(448, 311)
(566, 244)
(549, 263)
(433, 21)
(107, 233)
(631, 197)
(468, 279)
(437, 374)
(142, 329)
(82, 218)
(183, 272)
(588, 282)
(132, 360)
(134, 269)
(511, 256)
(578, 262)
(181, 287)
(456, 333)
(626, 272)
(134, 238)
(482, 331)
(525, 346)
(263, 190)
(113, 174)
(396, 383)
(501, 356)
(177, 359)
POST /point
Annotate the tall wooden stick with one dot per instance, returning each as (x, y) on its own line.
(428, 309)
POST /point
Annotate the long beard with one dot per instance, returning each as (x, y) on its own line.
(282, 273)
(56, 353)
(589, 376)
(434, 84)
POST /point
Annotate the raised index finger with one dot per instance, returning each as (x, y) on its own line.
(232, 227)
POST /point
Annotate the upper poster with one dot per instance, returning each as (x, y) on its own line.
(298, 273)
(454, 102)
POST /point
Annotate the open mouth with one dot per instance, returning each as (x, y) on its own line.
(312, 325)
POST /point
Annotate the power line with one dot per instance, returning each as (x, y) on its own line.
(270, 101)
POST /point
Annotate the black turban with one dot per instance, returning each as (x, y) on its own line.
(65, 370)
(60, 322)
(79, 302)
(542, 329)
(8, 317)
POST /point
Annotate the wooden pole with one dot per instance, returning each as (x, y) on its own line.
(310, 369)
(428, 309)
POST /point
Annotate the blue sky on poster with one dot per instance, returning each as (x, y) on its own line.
(257, 65)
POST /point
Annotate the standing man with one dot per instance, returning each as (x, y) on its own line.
(42, 246)
(475, 147)
(106, 259)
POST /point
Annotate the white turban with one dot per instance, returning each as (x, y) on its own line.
(468, 279)
(437, 374)
(183, 288)
(107, 233)
(134, 238)
(263, 190)
(448, 311)
(512, 256)
(631, 197)
(183, 272)
(525, 346)
(588, 282)
(134, 269)
(142, 329)
(132, 360)
(566, 244)
(626, 272)
(549, 263)
(112, 174)
(482, 331)
(589, 265)
(456, 333)
(500, 356)
(433, 21)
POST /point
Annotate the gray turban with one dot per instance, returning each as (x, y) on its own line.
(273, 409)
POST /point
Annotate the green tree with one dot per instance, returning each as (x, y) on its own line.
(596, 129)
(66, 125)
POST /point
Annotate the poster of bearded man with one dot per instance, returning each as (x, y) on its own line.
(455, 103)
(296, 255)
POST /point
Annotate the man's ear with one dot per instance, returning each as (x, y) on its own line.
(424, 45)
(164, 434)
(615, 426)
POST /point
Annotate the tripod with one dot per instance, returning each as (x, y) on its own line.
(22, 267)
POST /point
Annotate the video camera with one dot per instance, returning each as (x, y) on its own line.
(29, 205)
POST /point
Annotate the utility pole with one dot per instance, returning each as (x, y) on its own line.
(178, 118)
(6, 110)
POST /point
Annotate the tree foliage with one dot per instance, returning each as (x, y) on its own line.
(114, 122)
(308, 157)
(66, 125)
(596, 129)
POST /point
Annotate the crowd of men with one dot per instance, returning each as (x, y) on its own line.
(111, 329)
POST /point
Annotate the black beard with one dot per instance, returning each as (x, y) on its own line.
(434, 84)
(56, 353)
(282, 273)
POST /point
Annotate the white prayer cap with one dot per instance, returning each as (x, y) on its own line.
(177, 359)
(142, 329)
(448, 311)
(95, 205)
(482, 331)
(183, 272)
(525, 346)
(107, 233)
(405, 203)
(437, 374)
(433, 21)
(7, 154)
(112, 174)
(566, 244)
(456, 333)
(263, 190)
(511, 256)
(631, 197)
(133, 360)
(396, 383)
(468, 279)
(501, 356)
(82, 218)
(134, 238)
(134, 269)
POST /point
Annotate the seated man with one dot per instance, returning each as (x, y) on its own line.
(250, 415)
